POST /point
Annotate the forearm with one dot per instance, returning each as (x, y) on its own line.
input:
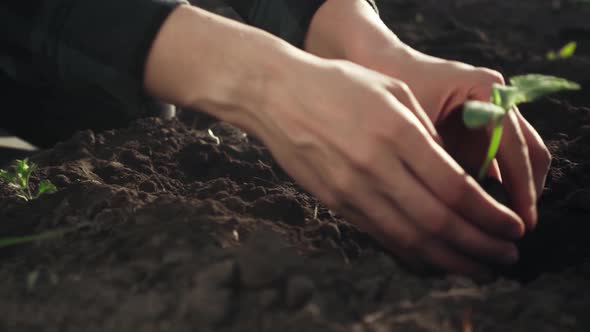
(203, 61)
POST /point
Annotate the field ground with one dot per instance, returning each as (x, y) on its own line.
(181, 234)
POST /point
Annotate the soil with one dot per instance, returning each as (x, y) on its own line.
(174, 232)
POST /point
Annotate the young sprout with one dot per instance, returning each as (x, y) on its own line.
(565, 52)
(13, 241)
(212, 135)
(19, 180)
(526, 88)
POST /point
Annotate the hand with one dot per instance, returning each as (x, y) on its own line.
(441, 87)
(355, 138)
(362, 144)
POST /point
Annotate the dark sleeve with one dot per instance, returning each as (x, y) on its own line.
(81, 44)
(288, 19)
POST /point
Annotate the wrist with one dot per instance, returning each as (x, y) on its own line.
(352, 30)
(342, 28)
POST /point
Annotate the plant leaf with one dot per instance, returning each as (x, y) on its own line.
(534, 86)
(6, 176)
(46, 187)
(477, 114)
(22, 166)
(506, 96)
(551, 55)
(568, 50)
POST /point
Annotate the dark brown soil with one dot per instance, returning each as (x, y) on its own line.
(180, 234)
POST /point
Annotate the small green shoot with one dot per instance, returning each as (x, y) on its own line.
(12, 241)
(19, 178)
(526, 88)
(565, 52)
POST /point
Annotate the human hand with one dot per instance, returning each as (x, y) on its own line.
(362, 144)
(355, 138)
(441, 87)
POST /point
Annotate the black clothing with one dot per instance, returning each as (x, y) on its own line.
(288, 19)
(79, 63)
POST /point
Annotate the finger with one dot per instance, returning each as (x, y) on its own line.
(390, 227)
(450, 183)
(495, 170)
(449, 260)
(365, 224)
(375, 215)
(434, 218)
(538, 152)
(405, 96)
(514, 162)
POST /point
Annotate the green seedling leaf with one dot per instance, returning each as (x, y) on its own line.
(477, 114)
(506, 96)
(23, 167)
(534, 86)
(4, 175)
(568, 50)
(46, 187)
(19, 180)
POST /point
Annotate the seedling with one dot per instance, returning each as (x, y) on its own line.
(19, 178)
(13, 241)
(212, 135)
(526, 88)
(565, 52)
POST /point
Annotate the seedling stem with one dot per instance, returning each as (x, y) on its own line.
(526, 88)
